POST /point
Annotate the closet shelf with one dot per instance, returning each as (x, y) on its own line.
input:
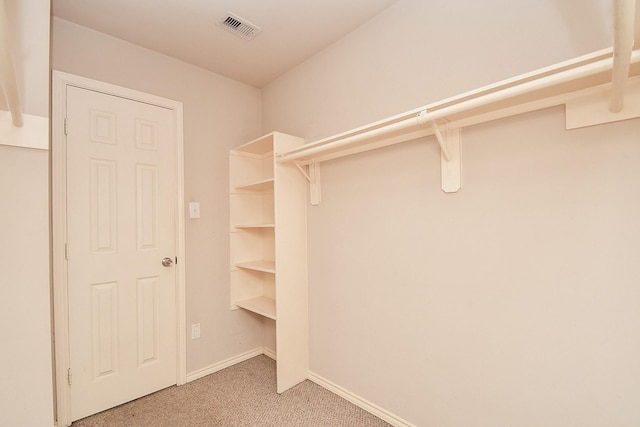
(262, 146)
(532, 91)
(580, 81)
(255, 226)
(263, 266)
(261, 305)
(264, 185)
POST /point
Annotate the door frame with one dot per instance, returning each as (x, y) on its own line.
(60, 82)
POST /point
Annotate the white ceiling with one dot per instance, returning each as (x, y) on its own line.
(292, 30)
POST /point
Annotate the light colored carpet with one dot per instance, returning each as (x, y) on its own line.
(241, 395)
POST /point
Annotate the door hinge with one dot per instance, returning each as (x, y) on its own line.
(69, 376)
(66, 251)
(66, 131)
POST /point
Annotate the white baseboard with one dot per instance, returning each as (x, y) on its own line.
(372, 408)
(269, 353)
(192, 376)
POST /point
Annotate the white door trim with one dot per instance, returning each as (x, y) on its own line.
(60, 81)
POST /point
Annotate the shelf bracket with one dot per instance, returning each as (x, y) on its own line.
(443, 145)
(449, 159)
(314, 181)
(302, 171)
(315, 195)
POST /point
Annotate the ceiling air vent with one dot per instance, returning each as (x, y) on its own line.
(239, 26)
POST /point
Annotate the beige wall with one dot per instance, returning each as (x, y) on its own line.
(218, 114)
(417, 52)
(26, 389)
(516, 300)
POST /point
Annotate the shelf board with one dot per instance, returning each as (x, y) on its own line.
(260, 146)
(265, 184)
(261, 305)
(255, 226)
(543, 88)
(263, 266)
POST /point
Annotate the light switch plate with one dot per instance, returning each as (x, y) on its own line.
(195, 331)
(194, 210)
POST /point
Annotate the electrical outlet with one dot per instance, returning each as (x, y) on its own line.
(195, 331)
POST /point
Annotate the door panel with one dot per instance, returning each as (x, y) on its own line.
(121, 179)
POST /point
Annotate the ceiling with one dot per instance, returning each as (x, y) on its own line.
(292, 30)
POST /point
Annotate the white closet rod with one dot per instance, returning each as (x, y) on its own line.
(8, 82)
(373, 133)
(625, 12)
(587, 66)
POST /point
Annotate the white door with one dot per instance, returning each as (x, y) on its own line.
(121, 191)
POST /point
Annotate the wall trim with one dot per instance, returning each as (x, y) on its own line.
(360, 402)
(211, 369)
(372, 408)
(269, 353)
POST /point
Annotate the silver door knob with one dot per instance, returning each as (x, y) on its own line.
(167, 262)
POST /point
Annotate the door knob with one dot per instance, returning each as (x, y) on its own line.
(167, 262)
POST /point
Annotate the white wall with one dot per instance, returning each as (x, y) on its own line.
(514, 301)
(26, 391)
(218, 114)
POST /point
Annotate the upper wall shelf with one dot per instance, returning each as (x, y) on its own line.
(587, 77)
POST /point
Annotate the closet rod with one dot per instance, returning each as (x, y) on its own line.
(418, 119)
(624, 15)
(583, 67)
(8, 82)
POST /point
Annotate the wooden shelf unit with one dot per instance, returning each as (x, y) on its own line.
(268, 247)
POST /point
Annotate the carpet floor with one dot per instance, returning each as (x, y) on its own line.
(240, 396)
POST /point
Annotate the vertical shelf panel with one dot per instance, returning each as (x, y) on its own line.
(292, 327)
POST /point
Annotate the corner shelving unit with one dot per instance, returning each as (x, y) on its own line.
(269, 245)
